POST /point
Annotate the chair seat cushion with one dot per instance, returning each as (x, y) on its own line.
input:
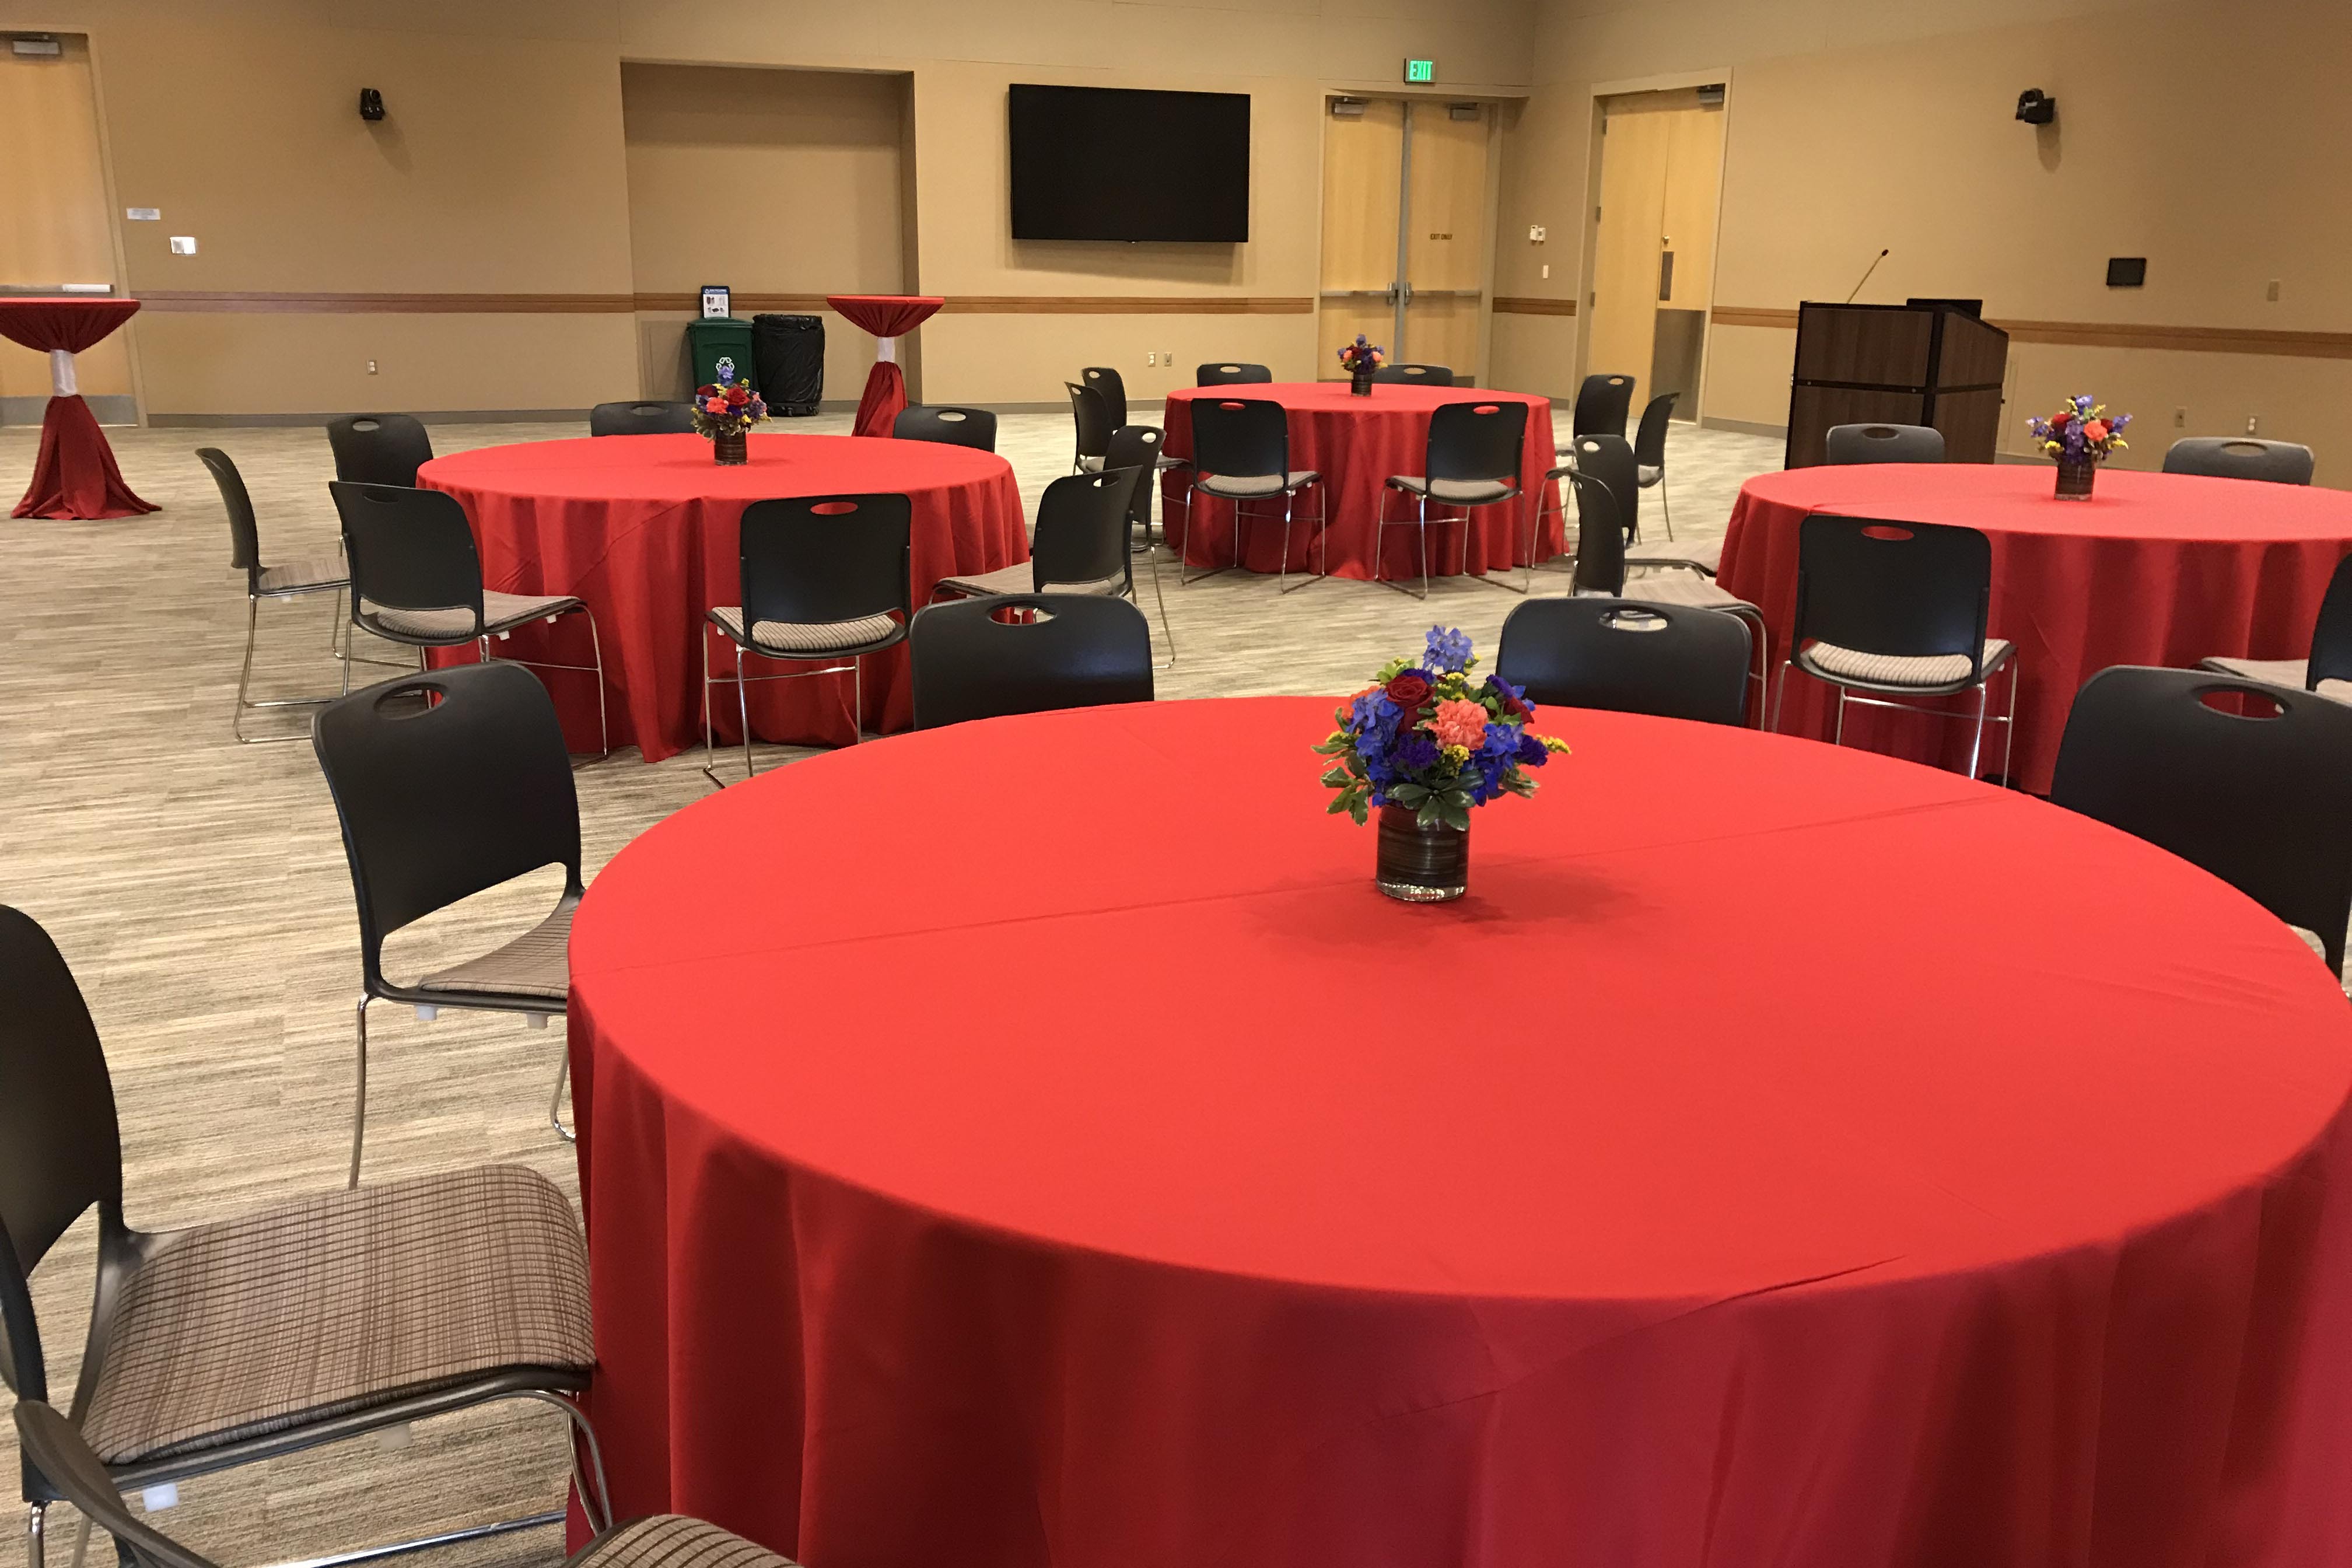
(1648, 474)
(1455, 492)
(1022, 579)
(339, 1303)
(1685, 589)
(536, 963)
(1252, 486)
(671, 1541)
(796, 639)
(1899, 671)
(1092, 462)
(2291, 672)
(501, 613)
(1704, 555)
(311, 572)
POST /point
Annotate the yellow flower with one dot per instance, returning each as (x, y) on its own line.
(1458, 755)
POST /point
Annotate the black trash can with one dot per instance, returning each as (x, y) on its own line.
(790, 352)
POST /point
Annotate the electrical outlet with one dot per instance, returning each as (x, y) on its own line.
(1153, 358)
(371, 367)
(2180, 419)
(2252, 421)
(1547, 270)
(1167, 356)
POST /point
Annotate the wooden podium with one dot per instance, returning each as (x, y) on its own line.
(1925, 364)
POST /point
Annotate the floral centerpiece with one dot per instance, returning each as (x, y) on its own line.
(2081, 436)
(725, 411)
(1426, 743)
(1362, 357)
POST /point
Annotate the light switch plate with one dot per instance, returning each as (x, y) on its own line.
(184, 244)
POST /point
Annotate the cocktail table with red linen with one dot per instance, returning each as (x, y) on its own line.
(888, 317)
(1783, 1154)
(74, 474)
(1357, 444)
(644, 528)
(2161, 569)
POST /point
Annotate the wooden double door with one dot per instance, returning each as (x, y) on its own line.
(1404, 231)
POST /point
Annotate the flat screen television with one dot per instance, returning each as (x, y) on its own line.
(1097, 163)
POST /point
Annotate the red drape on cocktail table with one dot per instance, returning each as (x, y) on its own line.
(74, 474)
(888, 317)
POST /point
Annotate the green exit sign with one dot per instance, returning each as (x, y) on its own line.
(1421, 71)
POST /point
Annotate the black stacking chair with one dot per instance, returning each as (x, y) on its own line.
(1143, 447)
(274, 1333)
(1113, 387)
(1027, 653)
(1885, 444)
(1414, 374)
(287, 581)
(824, 577)
(2328, 667)
(1602, 404)
(641, 420)
(1080, 544)
(379, 449)
(1609, 460)
(1649, 454)
(447, 784)
(1241, 453)
(1231, 375)
(1471, 459)
(2255, 796)
(1897, 609)
(2240, 458)
(1629, 658)
(974, 427)
(416, 579)
(1091, 416)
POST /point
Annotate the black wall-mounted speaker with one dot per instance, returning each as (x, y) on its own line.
(371, 104)
(2036, 107)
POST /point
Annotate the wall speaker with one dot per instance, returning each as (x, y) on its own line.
(2036, 107)
(371, 104)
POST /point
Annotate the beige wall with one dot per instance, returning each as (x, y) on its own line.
(53, 222)
(2210, 139)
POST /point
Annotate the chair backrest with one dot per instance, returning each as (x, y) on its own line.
(974, 427)
(1909, 589)
(1609, 460)
(1476, 441)
(2240, 458)
(1090, 413)
(1231, 374)
(641, 420)
(817, 559)
(1600, 537)
(1240, 436)
(244, 532)
(1416, 375)
(1026, 653)
(408, 550)
(1673, 660)
(379, 449)
(1137, 447)
(445, 784)
(52, 1446)
(1082, 530)
(1650, 437)
(2257, 801)
(2331, 634)
(1601, 405)
(60, 1149)
(1113, 387)
(1885, 444)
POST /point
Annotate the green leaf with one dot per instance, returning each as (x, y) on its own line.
(1431, 813)
(1457, 817)
(1336, 778)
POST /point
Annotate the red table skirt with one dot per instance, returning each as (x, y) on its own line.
(74, 474)
(1357, 444)
(644, 528)
(2156, 569)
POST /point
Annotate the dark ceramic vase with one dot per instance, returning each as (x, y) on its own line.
(732, 448)
(1421, 865)
(2075, 477)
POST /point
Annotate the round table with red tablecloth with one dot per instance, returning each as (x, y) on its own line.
(1357, 444)
(2161, 569)
(74, 474)
(644, 528)
(1782, 1155)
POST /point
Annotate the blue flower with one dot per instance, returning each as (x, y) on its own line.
(1532, 752)
(1449, 650)
(1416, 752)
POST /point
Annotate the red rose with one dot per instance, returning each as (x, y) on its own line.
(1508, 701)
(1409, 691)
(737, 396)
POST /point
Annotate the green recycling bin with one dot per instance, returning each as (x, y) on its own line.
(720, 341)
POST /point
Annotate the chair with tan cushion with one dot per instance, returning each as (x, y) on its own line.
(2241, 457)
(286, 581)
(1241, 453)
(2328, 667)
(1471, 459)
(285, 1329)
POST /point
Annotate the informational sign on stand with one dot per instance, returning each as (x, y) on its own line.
(715, 300)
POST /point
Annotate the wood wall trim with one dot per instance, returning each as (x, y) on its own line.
(1523, 305)
(2114, 336)
(1126, 305)
(251, 303)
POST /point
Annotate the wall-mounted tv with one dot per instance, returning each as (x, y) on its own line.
(1095, 162)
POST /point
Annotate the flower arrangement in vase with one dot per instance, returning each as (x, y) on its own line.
(1361, 358)
(1424, 743)
(2081, 436)
(725, 411)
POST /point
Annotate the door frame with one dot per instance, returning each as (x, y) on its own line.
(1600, 92)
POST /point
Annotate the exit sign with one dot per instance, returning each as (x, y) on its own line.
(1421, 71)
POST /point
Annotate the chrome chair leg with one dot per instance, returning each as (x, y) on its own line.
(555, 1105)
(743, 707)
(359, 1100)
(598, 1508)
(1780, 696)
(36, 1532)
(243, 684)
(2008, 736)
(1424, 546)
(1322, 536)
(1976, 745)
(858, 699)
(710, 733)
(1185, 575)
(1665, 507)
(1282, 572)
(596, 650)
(1151, 559)
(1837, 736)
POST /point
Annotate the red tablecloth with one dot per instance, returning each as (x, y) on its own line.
(2162, 569)
(644, 528)
(888, 317)
(73, 473)
(1356, 444)
(1784, 1155)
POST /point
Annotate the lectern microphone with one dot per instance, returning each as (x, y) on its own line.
(1866, 274)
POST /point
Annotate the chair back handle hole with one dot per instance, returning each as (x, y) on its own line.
(1020, 616)
(953, 417)
(834, 507)
(2241, 702)
(1633, 621)
(1488, 408)
(1887, 531)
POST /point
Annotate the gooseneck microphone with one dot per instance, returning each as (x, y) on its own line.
(1865, 274)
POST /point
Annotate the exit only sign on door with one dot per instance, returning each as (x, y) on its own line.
(1421, 71)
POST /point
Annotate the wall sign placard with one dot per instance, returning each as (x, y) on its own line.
(715, 300)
